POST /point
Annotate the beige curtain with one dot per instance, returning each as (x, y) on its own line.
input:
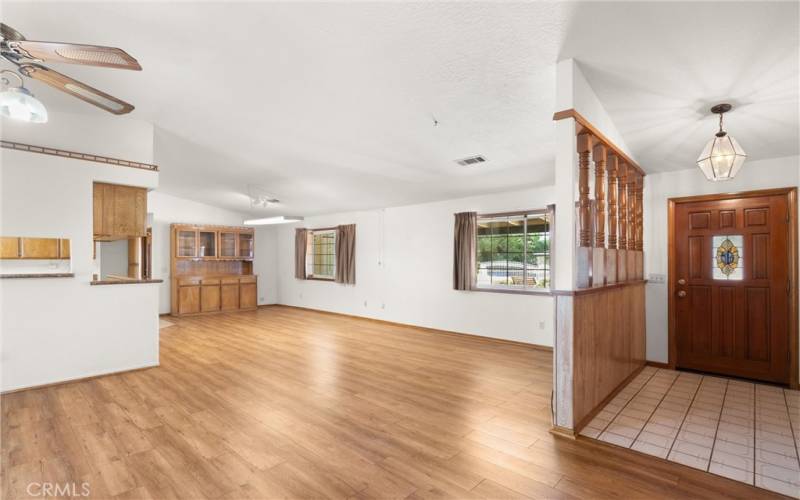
(464, 258)
(300, 243)
(346, 254)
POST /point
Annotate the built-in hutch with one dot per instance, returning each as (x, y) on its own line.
(212, 269)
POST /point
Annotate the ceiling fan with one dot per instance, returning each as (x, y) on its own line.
(28, 55)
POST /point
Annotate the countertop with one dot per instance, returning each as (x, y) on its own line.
(37, 275)
(124, 282)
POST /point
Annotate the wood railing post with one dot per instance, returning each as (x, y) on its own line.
(584, 250)
(639, 227)
(611, 253)
(622, 218)
(599, 156)
(631, 225)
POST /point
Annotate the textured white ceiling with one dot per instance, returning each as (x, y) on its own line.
(330, 106)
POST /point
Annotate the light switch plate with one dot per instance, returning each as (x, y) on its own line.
(657, 278)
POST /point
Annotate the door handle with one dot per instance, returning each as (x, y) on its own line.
(682, 294)
(681, 281)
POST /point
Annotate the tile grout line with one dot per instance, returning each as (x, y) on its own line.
(655, 409)
(791, 428)
(626, 403)
(683, 420)
(716, 429)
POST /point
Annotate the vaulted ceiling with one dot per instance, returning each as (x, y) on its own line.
(343, 106)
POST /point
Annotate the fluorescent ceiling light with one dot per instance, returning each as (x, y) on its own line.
(281, 219)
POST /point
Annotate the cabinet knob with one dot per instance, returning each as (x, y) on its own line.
(681, 294)
(681, 281)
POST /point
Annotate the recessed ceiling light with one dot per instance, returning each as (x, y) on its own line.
(281, 219)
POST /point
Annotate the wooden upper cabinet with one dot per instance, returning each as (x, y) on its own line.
(246, 245)
(119, 211)
(207, 244)
(186, 243)
(63, 248)
(39, 248)
(9, 247)
(228, 244)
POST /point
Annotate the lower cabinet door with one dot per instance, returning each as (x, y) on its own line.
(248, 297)
(188, 299)
(209, 298)
(230, 296)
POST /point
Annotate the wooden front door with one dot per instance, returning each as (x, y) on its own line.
(731, 290)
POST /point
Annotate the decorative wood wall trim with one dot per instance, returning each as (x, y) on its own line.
(597, 289)
(29, 148)
(584, 124)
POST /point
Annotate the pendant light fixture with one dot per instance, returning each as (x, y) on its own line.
(722, 157)
(18, 102)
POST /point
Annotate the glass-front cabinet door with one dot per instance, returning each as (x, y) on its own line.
(186, 243)
(227, 244)
(246, 245)
(208, 244)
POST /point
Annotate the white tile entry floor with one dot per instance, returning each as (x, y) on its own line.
(740, 430)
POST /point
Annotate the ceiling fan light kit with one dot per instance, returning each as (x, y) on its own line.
(27, 56)
(18, 103)
(723, 157)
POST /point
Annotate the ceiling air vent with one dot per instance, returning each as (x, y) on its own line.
(472, 160)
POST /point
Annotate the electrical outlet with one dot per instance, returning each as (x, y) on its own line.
(365, 303)
(383, 306)
(657, 278)
(541, 325)
(301, 295)
(261, 299)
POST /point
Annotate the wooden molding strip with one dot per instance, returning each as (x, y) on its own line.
(78, 379)
(29, 148)
(598, 289)
(585, 124)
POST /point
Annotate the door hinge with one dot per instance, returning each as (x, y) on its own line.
(788, 286)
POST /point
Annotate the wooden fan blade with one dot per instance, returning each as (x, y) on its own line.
(90, 55)
(76, 89)
(9, 33)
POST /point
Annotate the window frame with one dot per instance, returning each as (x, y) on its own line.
(549, 213)
(310, 254)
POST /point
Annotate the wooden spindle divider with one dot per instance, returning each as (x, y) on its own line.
(599, 158)
(584, 148)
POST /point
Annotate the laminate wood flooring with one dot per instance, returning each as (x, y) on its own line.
(289, 403)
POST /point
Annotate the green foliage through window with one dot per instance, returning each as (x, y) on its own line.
(514, 251)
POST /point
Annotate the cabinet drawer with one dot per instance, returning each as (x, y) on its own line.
(210, 282)
(188, 281)
(247, 279)
(230, 281)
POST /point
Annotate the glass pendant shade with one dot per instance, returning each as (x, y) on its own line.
(19, 104)
(722, 158)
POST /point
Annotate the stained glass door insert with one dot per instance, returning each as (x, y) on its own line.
(728, 257)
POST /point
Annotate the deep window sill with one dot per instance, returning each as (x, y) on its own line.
(317, 278)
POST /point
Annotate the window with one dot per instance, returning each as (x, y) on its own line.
(514, 251)
(321, 254)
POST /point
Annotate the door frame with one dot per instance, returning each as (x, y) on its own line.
(791, 197)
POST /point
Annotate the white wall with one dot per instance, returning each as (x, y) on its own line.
(404, 272)
(167, 209)
(57, 329)
(265, 264)
(774, 173)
